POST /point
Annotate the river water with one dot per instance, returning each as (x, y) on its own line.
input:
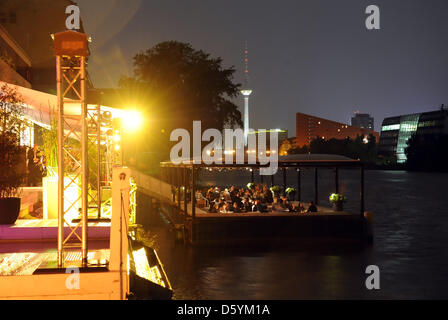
(410, 247)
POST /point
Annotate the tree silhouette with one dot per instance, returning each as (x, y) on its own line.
(427, 153)
(352, 148)
(181, 84)
(175, 85)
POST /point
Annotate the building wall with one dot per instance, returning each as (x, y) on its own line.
(31, 23)
(282, 135)
(363, 120)
(15, 64)
(9, 75)
(389, 136)
(396, 131)
(309, 127)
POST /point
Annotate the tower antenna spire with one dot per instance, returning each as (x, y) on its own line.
(246, 92)
(246, 66)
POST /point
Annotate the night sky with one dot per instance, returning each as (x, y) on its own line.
(310, 56)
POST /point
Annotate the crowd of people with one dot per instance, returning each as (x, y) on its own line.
(258, 198)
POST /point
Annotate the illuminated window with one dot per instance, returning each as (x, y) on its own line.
(427, 124)
(408, 126)
(391, 127)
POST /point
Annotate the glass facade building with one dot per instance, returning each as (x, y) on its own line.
(396, 131)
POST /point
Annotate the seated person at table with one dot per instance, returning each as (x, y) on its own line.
(258, 207)
(221, 205)
(235, 208)
(214, 207)
(267, 195)
(312, 207)
(213, 194)
(276, 206)
(208, 194)
(234, 196)
(301, 208)
(245, 205)
(226, 195)
(233, 193)
(225, 208)
(256, 194)
(284, 203)
(292, 207)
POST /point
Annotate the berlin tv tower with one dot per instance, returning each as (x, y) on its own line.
(246, 92)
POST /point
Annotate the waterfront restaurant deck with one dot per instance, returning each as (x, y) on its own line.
(202, 227)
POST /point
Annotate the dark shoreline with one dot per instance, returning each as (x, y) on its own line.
(398, 167)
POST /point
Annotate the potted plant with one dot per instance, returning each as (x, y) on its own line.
(11, 179)
(50, 146)
(291, 193)
(338, 201)
(50, 179)
(12, 155)
(276, 190)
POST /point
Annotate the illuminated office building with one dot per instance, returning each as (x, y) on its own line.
(396, 131)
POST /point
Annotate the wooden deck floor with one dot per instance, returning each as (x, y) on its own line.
(26, 263)
(322, 211)
(47, 229)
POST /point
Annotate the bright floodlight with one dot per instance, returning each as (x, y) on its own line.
(132, 120)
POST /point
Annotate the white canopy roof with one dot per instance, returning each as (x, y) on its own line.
(41, 106)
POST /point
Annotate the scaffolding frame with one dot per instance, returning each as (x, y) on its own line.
(71, 73)
(94, 143)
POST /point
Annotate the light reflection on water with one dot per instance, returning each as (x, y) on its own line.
(410, 248)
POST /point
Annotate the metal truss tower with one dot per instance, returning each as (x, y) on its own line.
(71, 53)
(94, 156)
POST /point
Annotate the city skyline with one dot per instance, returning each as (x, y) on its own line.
(299, 50)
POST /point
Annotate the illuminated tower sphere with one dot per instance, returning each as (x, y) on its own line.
(246, 92)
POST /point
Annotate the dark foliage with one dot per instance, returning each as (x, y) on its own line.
(12, 155)
(12, 174)
(427, 153)
(175, 84)
(355, 149)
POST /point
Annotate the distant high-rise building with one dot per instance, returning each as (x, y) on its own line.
(363, 120)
